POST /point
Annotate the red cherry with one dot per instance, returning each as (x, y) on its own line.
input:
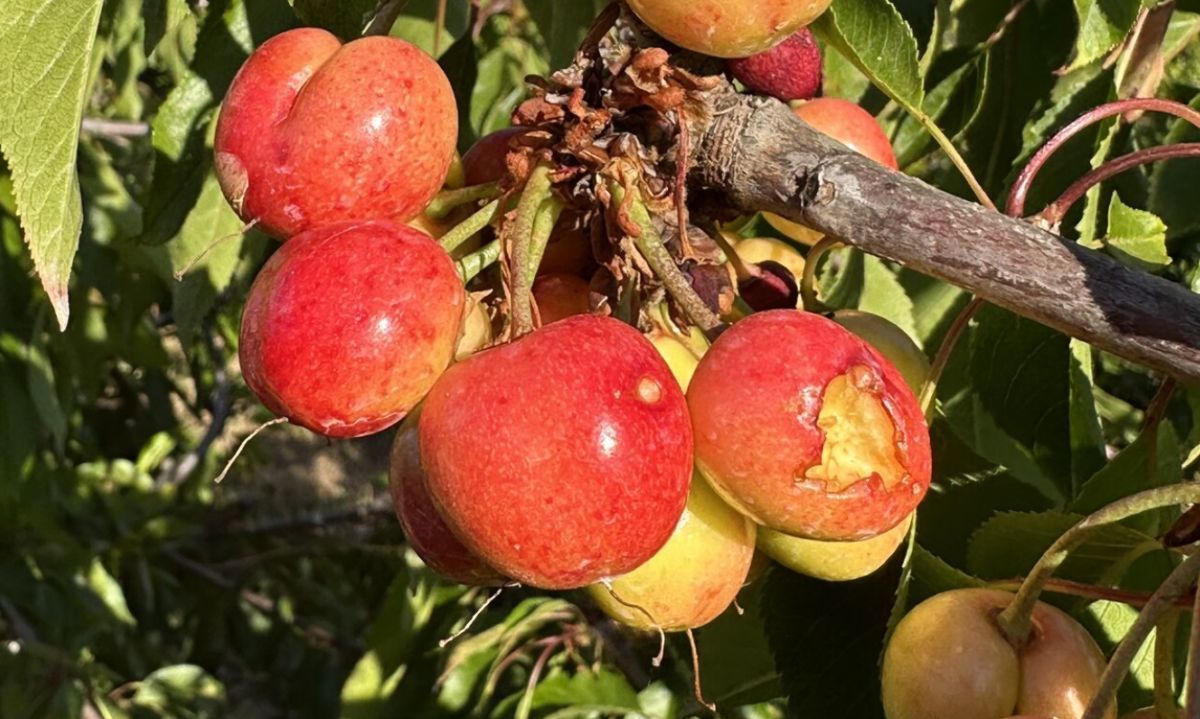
(789, 71)
(850, 125)
(807, 429)
(424, 527)
(347, 326)
(562, 458)
(314, 132)
(486, 160)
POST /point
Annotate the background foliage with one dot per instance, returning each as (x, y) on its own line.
(131, 586)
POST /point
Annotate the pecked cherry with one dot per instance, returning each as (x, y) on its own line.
(789, 71)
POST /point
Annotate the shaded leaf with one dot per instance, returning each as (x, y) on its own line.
(344, 18)
(883, 295)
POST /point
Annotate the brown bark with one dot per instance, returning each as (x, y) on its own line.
(758, 156)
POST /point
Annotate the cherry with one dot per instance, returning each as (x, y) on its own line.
(560, 296)
(347, 326)
(850, 125)
(789, 71)
(722, 28)
(807, 429)
(947, 658)
(833, 561)
(486, 161)
(772, 288)
(694, 577)
(562, 458)
(314, 132)
(424, 527)
(766, 249)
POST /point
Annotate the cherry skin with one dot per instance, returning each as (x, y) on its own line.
(561, 296)
(486, 160)
(807, 429)
(722, 28)
(314, 132)
(562, 458)
(850, 125)
(789, 71)
(694, 577)
(947, 658)
(833, 561)
(347, 326)
(424, 527)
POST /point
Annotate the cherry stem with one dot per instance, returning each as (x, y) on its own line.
(650, 244)
(1055, 211)
(942, 358)
(1020, 189)
(1089, 591)
(478, 261)
(1017, 617)
(519, 236)
(469, 227)
(1164, 666)
(191, 264)
(808, 283)
(241, 447)
(1179, 581)
(448, 200)
(696, 673)
(476, 614)
(1192, 702)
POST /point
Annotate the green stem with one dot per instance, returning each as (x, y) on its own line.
(478, 261)
(467, 229)
(650, 244)
(808, 283)
(1016, 619)
(1164, 666)
(447, 200)
(1118, 666)
(955, 158)
(537, 191)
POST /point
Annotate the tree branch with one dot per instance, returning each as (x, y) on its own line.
(756, 155)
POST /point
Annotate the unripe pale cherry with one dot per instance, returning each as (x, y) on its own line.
(807, 429)
(948, 659)
(891, 341)
(423, 525)
(561, 458)
(348, 326)
(723, 28)
(789, 71)
(314, 132)
(850, 125)
(833, 561)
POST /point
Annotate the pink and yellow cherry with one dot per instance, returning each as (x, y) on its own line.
(693, 578)
(833, 561)
(727, 29)
(850, 125)
(348, 326)
(680, 356)
(807, 429)
(891, 341)
(424, 527)
(314, 132)
(561, 458)
(948, 659)
(561, 296)
(789, 71)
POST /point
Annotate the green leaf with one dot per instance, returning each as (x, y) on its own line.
(344, 18)
(1108, 622)
(1181, 52)
(45, 50)
(841, 77)
(178, 686)
(735, 657)
(500, 86)
(40, 374)
(1102, 24)
(883, 295)
(109, 592)
(460, 62)
(563, 25)
(1136, 237)
(1009, 544)
(1088, 448)
(873, 36)
(1153, 460)
(827, 638)
(602, 691)
(931, 575)
(912, 139)
(418, 25)
(1172, 184)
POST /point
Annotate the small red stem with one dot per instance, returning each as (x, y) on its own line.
(1020, 189)
(1055, 211)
